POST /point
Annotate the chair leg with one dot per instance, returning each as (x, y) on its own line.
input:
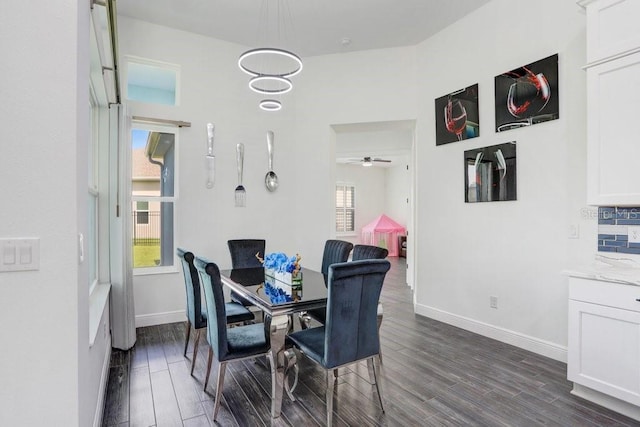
(329, 397)
(206, 377)
(188, 334)
(372, 364)
(379, 322)
(216, 405)
(195, 350)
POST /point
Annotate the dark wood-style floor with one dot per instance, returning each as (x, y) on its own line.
(433, 374)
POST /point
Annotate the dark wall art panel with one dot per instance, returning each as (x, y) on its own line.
(527, 95)
(490, 173)
(457, 116)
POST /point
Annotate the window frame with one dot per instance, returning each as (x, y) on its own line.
(96, 240)
(161, 269)
(92, 252)
(129, 59)
(344, 209)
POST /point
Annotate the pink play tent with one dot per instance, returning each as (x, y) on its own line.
(383, 232)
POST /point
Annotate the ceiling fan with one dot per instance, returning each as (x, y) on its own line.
(368, 161)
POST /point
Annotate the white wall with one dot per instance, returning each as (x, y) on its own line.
(371, 187)
(513, 250)
(96, 373)
(44, 314)
(465, 252)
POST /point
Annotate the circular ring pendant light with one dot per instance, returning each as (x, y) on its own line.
(265, 53)
(281, 85)
(271, 67)
(270, 105)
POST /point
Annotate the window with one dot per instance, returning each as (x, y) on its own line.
(100, 143)
(153, 196)
(96, 238)
(345, 208)
(141, 213)
(152, 81)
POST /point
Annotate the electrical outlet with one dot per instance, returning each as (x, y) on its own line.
(574, 231)
(634, 233)
(493, 302)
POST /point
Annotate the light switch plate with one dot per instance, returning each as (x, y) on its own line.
(19, 254)
(634, 233)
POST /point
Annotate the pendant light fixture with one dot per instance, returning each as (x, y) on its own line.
(271, 67)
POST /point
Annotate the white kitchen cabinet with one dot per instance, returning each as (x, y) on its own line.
(613, 90)
(612, 28)
(604, 343)
(613, 114)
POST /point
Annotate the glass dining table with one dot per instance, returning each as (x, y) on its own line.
(278, 302)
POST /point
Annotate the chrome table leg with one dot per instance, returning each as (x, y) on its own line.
(278, 331)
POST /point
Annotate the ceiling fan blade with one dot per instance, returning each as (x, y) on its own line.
(368, 159)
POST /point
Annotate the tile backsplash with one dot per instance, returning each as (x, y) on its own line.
(613, 223)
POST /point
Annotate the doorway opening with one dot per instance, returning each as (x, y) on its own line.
(375, 160)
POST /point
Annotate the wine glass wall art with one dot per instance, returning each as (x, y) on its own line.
(457, 116)
(527, 95)
(490, 173)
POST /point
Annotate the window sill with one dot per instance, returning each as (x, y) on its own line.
(347, 234)
(97, 302)
(155, 270)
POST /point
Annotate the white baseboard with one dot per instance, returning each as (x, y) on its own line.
(536, 345)
(160, 318)
(104, 383)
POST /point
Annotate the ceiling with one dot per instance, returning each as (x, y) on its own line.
(315, 27)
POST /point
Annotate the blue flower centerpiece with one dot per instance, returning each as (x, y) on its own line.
(283, 271)
(276, 295)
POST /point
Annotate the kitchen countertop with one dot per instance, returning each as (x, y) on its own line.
(607, 269)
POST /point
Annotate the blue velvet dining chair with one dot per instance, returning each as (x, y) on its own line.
(243, 255)
(227, 344)
(361, 252)
(349, 334)
(368, 252)
(196, 314)
(335, 251)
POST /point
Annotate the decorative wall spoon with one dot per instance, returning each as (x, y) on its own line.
(271, 179)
